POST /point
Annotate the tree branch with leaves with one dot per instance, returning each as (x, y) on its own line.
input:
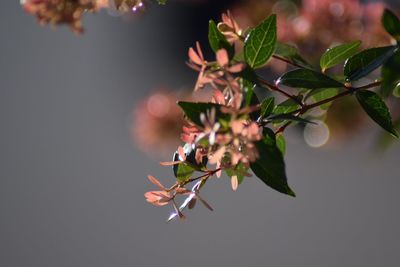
(240, 134)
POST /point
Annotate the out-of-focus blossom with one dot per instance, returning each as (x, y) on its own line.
(317, 24)
(57, 12)
(157, 121)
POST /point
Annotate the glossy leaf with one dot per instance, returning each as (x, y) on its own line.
(217, 40)
(270, 165)
(376, 109)
(338, 54)
(390, 75)
(305, 78)
(285, 107)
(290, 53)
(260, 43)
(391, 23)
(366, 61)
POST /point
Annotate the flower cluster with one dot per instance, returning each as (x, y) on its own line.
(223, 135)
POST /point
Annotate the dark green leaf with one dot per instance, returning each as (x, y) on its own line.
(305, 78)
(260, 43)
(338, 54)
(248, 88)
(391, 23)
(288, 117)
(366, 61)
(290, 53)
(270, 166)
(390, 74)
(254, 102)
(376, 109)
(267, 106)
(217, 40)
(162, 2)
(193, 111)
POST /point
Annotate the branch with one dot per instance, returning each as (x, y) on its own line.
(275, 88)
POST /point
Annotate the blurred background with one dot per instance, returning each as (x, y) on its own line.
(74, 155)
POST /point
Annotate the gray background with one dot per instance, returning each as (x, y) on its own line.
(72, 182)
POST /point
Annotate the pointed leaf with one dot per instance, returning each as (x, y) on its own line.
(305, 78)
(260, 43)
(376, 109)
(338, 54)
(363, 63)
(391, 23)
(270, 166)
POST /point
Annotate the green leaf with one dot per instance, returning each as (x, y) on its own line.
(162, 2)
(267, 106)
(305, 78)
(391, 23)
(183, 171)
(281, 143)
(260, 43)
(290, 53)
(322, 94)
(285, 107)
(366, 61)
(287, 117)
(270, 166)
(376, 109)
(390, 75)
(193, 111)
(338, 54)
(217, 40)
